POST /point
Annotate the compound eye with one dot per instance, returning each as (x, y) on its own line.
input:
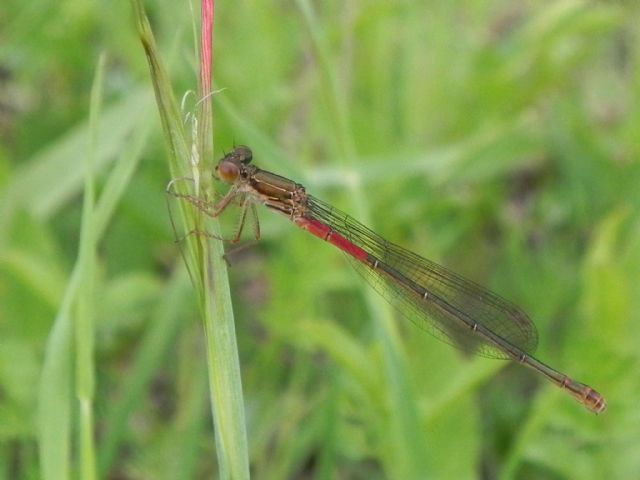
(228, 172)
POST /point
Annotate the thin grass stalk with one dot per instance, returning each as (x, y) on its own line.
(55, 394)
(225, 383)
(203, 255)
(85, 311)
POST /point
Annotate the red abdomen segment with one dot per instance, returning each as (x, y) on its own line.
(325, 232)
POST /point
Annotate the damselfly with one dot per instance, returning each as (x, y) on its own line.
(451, 307)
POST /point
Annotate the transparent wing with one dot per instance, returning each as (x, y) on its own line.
(453, 297)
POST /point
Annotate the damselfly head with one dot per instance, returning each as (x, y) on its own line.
(230, 166)
(240, 154)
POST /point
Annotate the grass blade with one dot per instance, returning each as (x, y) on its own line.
(203, 255)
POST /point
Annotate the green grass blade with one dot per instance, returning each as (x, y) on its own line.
(54, 396)
(209, 274)
(85, 310)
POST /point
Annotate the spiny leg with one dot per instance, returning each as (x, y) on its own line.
(208, 208)
(256, 221)
(243, 217)
(215, 209)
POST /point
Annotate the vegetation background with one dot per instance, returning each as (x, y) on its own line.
(499, 138)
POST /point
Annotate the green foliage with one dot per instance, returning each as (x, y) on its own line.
(498, 138)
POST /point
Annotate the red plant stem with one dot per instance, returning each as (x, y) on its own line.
(206, 47)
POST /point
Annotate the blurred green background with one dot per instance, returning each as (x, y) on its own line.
(499, 138)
